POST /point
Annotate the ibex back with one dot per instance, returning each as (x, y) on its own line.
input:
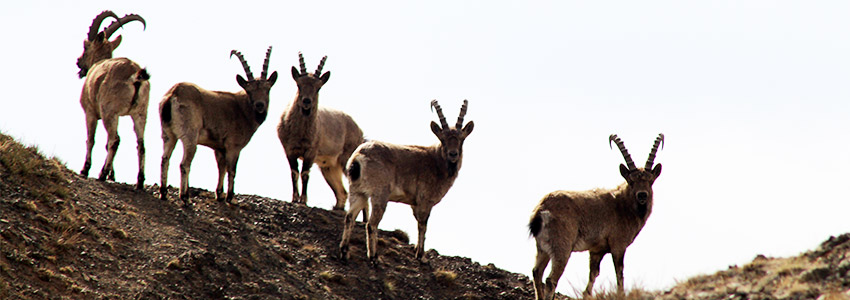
(600, 221)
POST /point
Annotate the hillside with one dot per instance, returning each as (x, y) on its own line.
(63, 236)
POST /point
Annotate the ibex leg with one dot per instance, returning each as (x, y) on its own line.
(91, 129)
(112, 141)
(139, 122)
(333, 175)
(232, 158)
(221, 162)
(357, 203)
(293, 168)
(168, 144)
(595, 259)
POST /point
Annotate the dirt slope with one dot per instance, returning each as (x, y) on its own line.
(63, 236)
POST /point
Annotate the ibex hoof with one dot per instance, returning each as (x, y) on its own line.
(340, 208)
(373, 261)
(343, 253)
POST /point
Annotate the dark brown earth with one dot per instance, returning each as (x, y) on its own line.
(63, 236)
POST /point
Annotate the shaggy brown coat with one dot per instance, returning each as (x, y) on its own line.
(114, 87)
(600, 221)
(418, 176)
(318, 135)
(223, 121)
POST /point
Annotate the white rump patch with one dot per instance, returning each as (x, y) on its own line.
(544, 240)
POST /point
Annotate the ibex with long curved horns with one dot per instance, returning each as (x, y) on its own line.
(600, 221)
(114, 87)
(223, 121)
(316, 134)
(418, 176)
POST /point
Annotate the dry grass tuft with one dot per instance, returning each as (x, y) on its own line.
(445, 276)
(330, 276)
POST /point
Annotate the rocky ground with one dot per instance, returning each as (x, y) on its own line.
(63, 236)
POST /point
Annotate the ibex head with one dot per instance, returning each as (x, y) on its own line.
(257, 88)
(309, 85)
(451, 138)
(97, 46)
(639, 180)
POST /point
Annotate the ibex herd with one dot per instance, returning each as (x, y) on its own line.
(600, 221)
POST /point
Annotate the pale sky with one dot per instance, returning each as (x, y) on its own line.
(752, 97)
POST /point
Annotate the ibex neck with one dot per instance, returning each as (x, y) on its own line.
(447, 168)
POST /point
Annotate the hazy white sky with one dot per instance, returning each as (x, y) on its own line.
(752, 97)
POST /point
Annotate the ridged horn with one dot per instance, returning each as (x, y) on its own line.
(95, 24)
(629, 163)
(459, 124)
(123, 20)
(435, 105)
(301, 62)
(659, 141)
(266, 64)
(244, 64)
(321, 65)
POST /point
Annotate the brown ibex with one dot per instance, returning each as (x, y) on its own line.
(600, 221)
(223, 121)
(418, 176)
(316, 134)
(113, 87)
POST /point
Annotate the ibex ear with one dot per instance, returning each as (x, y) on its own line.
(241, 81)
(295, 73)
(624, 171)
(467, 129)
(273, 78)
(657, 170)
(99, 37)
(114, 43)
(436, 129)
(325, 77)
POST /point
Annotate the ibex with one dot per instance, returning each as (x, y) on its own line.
(600, 221)
(114, 87)
(418, 176)
(223, 121)
(316, 134)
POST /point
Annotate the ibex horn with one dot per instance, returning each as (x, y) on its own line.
(321, 65)
(459, 124)
(95, 24)
(659, 141)
(244, 64)
(266, 64)
(123, 20)
(301, 61)
(614, 138)
(435, 105)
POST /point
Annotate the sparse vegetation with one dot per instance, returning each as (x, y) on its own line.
(445, 277)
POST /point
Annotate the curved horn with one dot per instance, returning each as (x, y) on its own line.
(123, 20)
(459, 124)
(244, 64)
(301, 61)
(659, 141)
(435, 105)
(623, 150)
(321, 65)
(95, 24)
(266, 64)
